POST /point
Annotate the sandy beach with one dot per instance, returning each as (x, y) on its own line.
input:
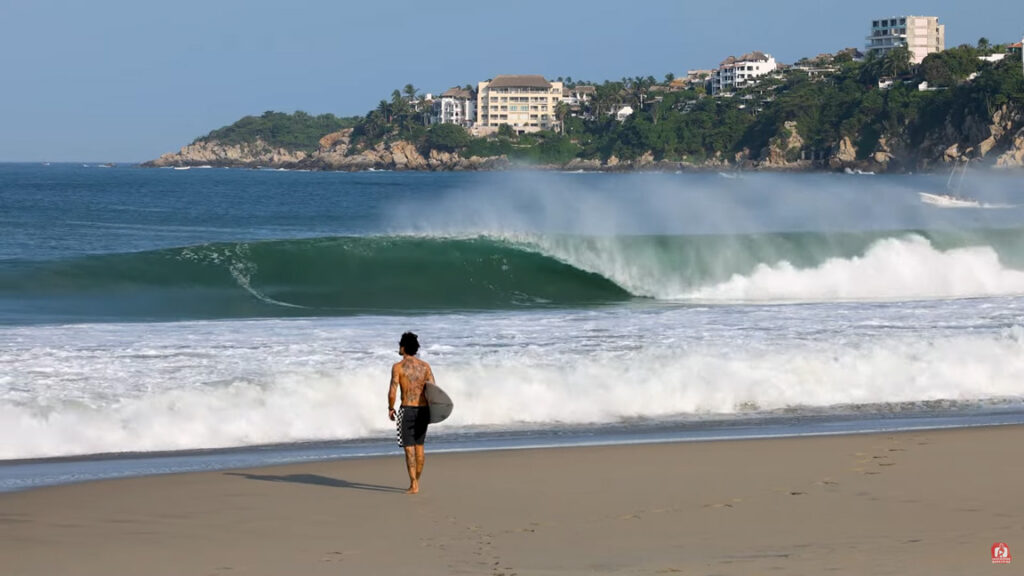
(929, 502)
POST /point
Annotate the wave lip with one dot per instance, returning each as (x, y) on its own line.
(787, 267)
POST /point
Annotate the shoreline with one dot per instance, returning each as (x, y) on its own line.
(28, 474)
(918, 502)
(655, 168)
(624, 168)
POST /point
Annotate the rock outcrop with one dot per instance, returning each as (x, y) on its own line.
(1014, 155)
(335, 152)
(784, 151)
(249, 155)
(845, 156)
(996, 141)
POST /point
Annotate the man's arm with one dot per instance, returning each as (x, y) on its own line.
(393, 391)
(430, 376)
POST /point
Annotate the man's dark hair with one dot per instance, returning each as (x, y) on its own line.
(410, 343)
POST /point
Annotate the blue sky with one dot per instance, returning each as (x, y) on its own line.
(129, 80)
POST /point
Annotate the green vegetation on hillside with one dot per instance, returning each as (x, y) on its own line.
(298, 131)
(691, 126)
(944, 98)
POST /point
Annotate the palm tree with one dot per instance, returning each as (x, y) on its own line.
(896, 62)
(561, 111)
(410, 92)
(385, 111)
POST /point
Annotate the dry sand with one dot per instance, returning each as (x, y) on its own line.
(928, 502)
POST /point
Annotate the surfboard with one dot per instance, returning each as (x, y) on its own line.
(440, 403)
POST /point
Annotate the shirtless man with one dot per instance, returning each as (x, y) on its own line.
(411, 374)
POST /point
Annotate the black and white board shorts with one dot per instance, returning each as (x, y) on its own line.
(412, 425)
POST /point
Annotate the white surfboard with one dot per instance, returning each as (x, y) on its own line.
(440, 403)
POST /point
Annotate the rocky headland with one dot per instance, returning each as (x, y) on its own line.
(998, 143)
(335, 152)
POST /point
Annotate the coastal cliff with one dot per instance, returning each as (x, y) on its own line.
(335, 152)
(244, 155)
(997, 142)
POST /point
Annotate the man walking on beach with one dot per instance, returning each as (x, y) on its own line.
(411, 375)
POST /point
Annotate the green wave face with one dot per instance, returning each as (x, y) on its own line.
(322, 276)
(355, 275)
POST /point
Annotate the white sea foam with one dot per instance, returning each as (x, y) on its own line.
(224, 384)
(903, 268)
(894, 269)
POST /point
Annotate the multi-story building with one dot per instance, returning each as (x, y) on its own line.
(524, 102)
(455, 106)
(580, 94)
(734, 73)
(921, 35)
(577, 97)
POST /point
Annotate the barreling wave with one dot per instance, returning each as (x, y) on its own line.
(409, 274)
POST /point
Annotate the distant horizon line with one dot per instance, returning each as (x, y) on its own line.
(90, 162)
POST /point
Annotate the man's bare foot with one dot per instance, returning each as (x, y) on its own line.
(414, 489)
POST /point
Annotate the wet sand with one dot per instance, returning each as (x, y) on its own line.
(923, 502)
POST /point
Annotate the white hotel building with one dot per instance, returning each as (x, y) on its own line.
(734, 73)
(921, 35)
(524, 102)
(455, 106)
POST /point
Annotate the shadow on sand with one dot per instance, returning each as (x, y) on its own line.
(317, 480)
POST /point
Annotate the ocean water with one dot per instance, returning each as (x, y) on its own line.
(160, 320)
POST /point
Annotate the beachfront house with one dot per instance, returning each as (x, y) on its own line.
(524, 102)
(455, 106)
(734, 73)
(577, 97)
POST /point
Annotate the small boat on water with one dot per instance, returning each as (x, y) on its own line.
(947, 201)
(858, 172)
(952, 198)
(182, 167)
